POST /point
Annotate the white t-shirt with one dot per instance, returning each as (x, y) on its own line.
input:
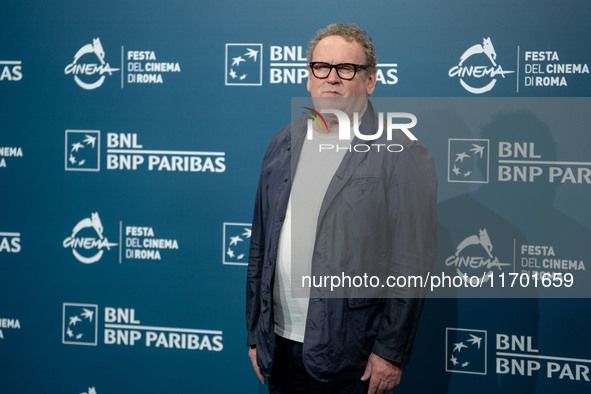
(314, 172)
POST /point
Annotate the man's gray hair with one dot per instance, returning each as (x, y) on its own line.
(349, 32)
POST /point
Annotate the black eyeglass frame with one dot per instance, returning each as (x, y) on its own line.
(336, 67)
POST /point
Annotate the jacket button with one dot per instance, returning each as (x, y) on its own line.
(285, 180)
(264, 302)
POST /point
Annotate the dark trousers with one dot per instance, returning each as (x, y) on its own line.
(289, 376)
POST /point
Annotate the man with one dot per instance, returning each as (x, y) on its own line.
(317, 212)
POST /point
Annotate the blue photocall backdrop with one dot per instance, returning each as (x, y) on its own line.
(131, 139)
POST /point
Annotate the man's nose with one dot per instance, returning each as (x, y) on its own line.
(333, 77)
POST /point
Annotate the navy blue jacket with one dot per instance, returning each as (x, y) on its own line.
(379, 207)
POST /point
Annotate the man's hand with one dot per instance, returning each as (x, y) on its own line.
(252, 353)
(383, 375)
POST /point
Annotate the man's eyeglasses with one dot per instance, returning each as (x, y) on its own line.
(345, 71)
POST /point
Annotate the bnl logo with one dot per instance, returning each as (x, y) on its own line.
(236, 243)
(465, 351)
(468, 160)
(83, 150)
(79, 324)
(244, 65)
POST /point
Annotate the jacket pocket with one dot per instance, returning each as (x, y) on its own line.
(357, 303)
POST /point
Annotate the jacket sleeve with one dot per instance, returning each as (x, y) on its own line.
(255, 263)
(412, 212)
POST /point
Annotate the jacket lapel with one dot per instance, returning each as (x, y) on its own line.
(349, 164)
(298, 133)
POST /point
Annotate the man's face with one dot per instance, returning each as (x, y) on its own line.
(336, 50)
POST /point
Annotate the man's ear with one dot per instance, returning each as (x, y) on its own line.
(371, 83)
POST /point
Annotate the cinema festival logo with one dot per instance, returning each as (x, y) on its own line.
(83, 244)
(473, 73)
(474, 255)
(8, 323)
(94, 73)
